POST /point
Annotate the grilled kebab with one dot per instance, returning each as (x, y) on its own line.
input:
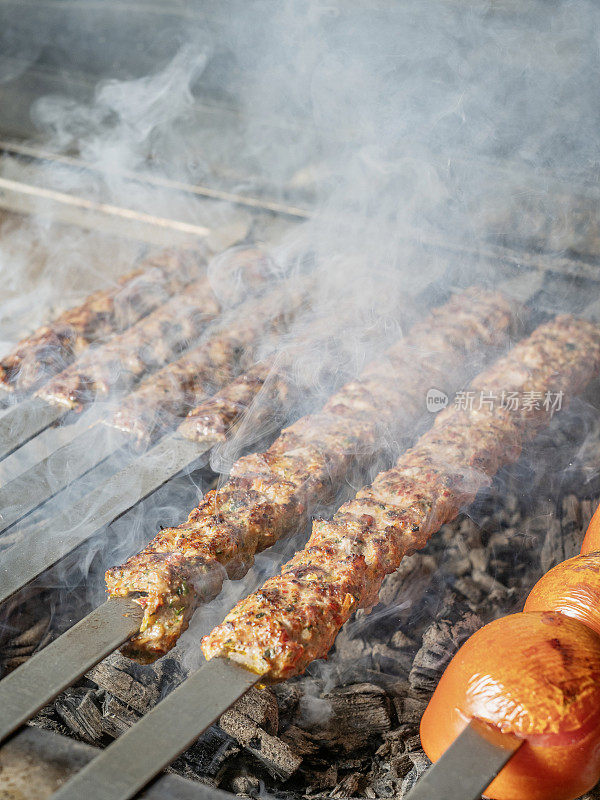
(152, 342)
(294, 618)
(165, 395)
(269, 493)
(54, 346)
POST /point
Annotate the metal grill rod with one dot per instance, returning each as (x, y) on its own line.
(24, 421)
(40, 679)
(114, 497)
(54, 473)
(150, 745)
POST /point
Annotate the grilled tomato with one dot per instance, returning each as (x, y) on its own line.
(573, 588)
(535, 675)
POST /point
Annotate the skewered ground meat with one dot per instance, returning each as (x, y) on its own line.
(167, 394)
(153, 341)
(295, 617)
(54, 346)
(270, 493)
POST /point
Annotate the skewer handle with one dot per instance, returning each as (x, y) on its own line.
(40, 679)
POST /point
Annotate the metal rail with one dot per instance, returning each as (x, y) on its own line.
(52, 474)
(150, 745)
(114, 497)
(40, 679)
(24, 421)
(468, 766)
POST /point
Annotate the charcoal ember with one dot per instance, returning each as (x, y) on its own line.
(359, 714)
(140, 687)
(275, 754)
(385, 787)
(470, 589)
(259, 705)
(288, 696)
(116, 716)
(401, 641)
(440, 641)
(409, 708)
(321, 777)
(390, 660)
(479, 558)
(49, 720)
(244, 783)
(300, 741)
(420, 764)
(207, 758)
(78, 709)
(409, 581)
(553, 549)
(350, 786)
(400, 765)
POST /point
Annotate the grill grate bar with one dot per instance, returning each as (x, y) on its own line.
(159, 737)
(115, 496)
(24, 421)
(54, 473)
(40, 679)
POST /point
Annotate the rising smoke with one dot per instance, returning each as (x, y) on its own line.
(397, 125)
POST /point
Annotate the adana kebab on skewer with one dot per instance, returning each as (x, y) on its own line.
(281, 380)
(146, 346)
(153, 408)
(53, 346)
(164, 396)
(125, 358)
(270, 493)
(531, 680)
(295, 617)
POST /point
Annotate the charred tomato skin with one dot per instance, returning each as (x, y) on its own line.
(535, 675)
(571, 588)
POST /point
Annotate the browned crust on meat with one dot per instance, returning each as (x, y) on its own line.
(165, 395)
(53, 346)
(295, 617)
(270, 494)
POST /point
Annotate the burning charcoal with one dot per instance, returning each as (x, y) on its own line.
(470, 589)
(300, 741)
(49, 720)
(207, 758)
(116, 716)
(78, 710)
(440, 641)
(385, 787)
(261, 706)
(416, 572)
(137, 686)
(276, 755)
(321, 777)
(479, 559)
(420, 765)
(245, 784)
(359, 713)
(288, 696)
(389, 660)
(400, 765)
(350, 786)
(552, 550)
(401, 641)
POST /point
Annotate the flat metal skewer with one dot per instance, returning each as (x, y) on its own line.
(54, 473)
(23, 562)
(40, 679)
(150, 745)
(24, 421)
(468, 766)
